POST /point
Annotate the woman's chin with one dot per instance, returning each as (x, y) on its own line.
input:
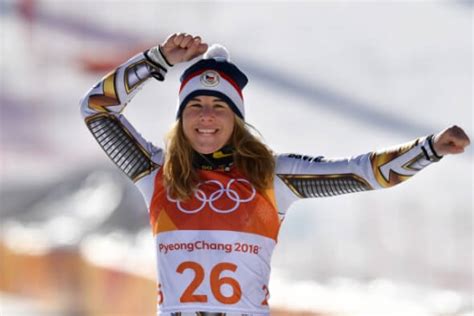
(206, 149)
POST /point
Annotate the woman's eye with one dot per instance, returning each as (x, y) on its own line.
(219, 106)
(195, 105)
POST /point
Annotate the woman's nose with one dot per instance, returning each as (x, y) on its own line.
(207, 112)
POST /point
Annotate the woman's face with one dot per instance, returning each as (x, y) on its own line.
(208, 123)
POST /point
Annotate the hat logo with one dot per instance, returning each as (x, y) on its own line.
(210, 78)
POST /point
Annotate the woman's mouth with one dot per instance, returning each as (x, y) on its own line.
(207, 131)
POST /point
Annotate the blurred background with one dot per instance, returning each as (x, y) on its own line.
(326, 78)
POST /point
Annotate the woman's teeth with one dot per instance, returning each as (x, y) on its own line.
(206, 130)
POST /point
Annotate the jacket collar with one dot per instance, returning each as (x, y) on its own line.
(221, 159)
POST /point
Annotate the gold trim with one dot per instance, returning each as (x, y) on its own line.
(408, 166)
(129, 89)
(145, 173)
(100, 102)
(379, 159)
(395, 177)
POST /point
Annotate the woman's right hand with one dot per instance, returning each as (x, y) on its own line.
(181, 47)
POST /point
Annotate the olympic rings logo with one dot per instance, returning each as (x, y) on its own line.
(220, 192)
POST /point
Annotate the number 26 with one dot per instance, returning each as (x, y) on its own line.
(216, 282)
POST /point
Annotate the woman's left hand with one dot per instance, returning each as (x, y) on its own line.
(451, 140)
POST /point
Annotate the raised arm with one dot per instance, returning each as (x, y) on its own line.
(307, 177)
(103, 104)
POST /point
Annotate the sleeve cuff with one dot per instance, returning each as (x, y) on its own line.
(429, 151)
(157, 57)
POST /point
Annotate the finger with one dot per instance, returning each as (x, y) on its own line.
(178, 39)
(200, 43)
(458, 136)
(186, 42)
(192, 51)
(462, 142)
(462, 135)
(455, 150)
(202, 48)
(169, 42)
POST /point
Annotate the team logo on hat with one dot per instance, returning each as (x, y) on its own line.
(210, 78)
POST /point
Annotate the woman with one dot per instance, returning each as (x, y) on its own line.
(216, 199)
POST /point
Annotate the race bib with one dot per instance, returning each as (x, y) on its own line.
(213, 271)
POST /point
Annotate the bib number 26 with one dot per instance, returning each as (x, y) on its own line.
(216, 282)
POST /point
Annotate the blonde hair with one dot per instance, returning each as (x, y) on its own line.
(251, 157)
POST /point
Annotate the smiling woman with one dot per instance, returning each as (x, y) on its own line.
(218, 184)
(208, 123)
(233, 145)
